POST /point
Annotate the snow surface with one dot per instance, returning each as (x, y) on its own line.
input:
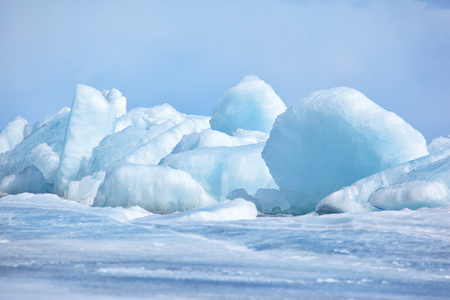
(331, 139)
(51, 248)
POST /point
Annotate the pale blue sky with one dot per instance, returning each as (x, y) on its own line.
(188, 53)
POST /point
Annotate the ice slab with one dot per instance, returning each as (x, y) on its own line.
(117, 100)
(422, 182)
(159, 147)
(28, 180)
(210, 138)
(251, 105)
(85, 190)
(221, 170)
(91, 119)
(331, 139)
(45, 159)
(32, 150)
(272, 201)
(116, 147)
(13, 134)
(155, 188)
(439, 144)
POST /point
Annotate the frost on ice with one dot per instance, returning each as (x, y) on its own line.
(331, 139)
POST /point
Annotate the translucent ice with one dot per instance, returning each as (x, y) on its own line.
(42, 148)
(85, 190)
(252, 105)
(412, 195)
(155, 188)
(221, 170)
(439, 144)
(272, 201)
(331, 139)
(209, 138)
(13, 134)
(117, 100)
(117, 146)
(422, 182)
(92, 118)
(28, 180)
(162, 145)
(45, 159)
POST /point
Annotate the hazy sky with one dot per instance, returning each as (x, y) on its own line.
(188, 53)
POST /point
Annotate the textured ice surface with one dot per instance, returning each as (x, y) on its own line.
(251, 105)
(144, 118)
(29, 179)
(159, 147)
(85, 190)
(229, 210)
(117, 100)
(272, 201)
(422, 182)
(115, 148)
(45, 159)
(56, 249)
(32, 151)
(412, 195)
(209, 138)
(154, 188)
(331, 139)
(221, 170)
(439, 144)
(92, 118)
(13, 134)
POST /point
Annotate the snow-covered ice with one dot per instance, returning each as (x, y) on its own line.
(56, 249)
(331, 139)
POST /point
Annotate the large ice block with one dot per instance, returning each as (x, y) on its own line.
(91, 119)
(251, 105)
(331, 139)
(157, 189)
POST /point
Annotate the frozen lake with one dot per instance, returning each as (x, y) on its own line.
(56, 249)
